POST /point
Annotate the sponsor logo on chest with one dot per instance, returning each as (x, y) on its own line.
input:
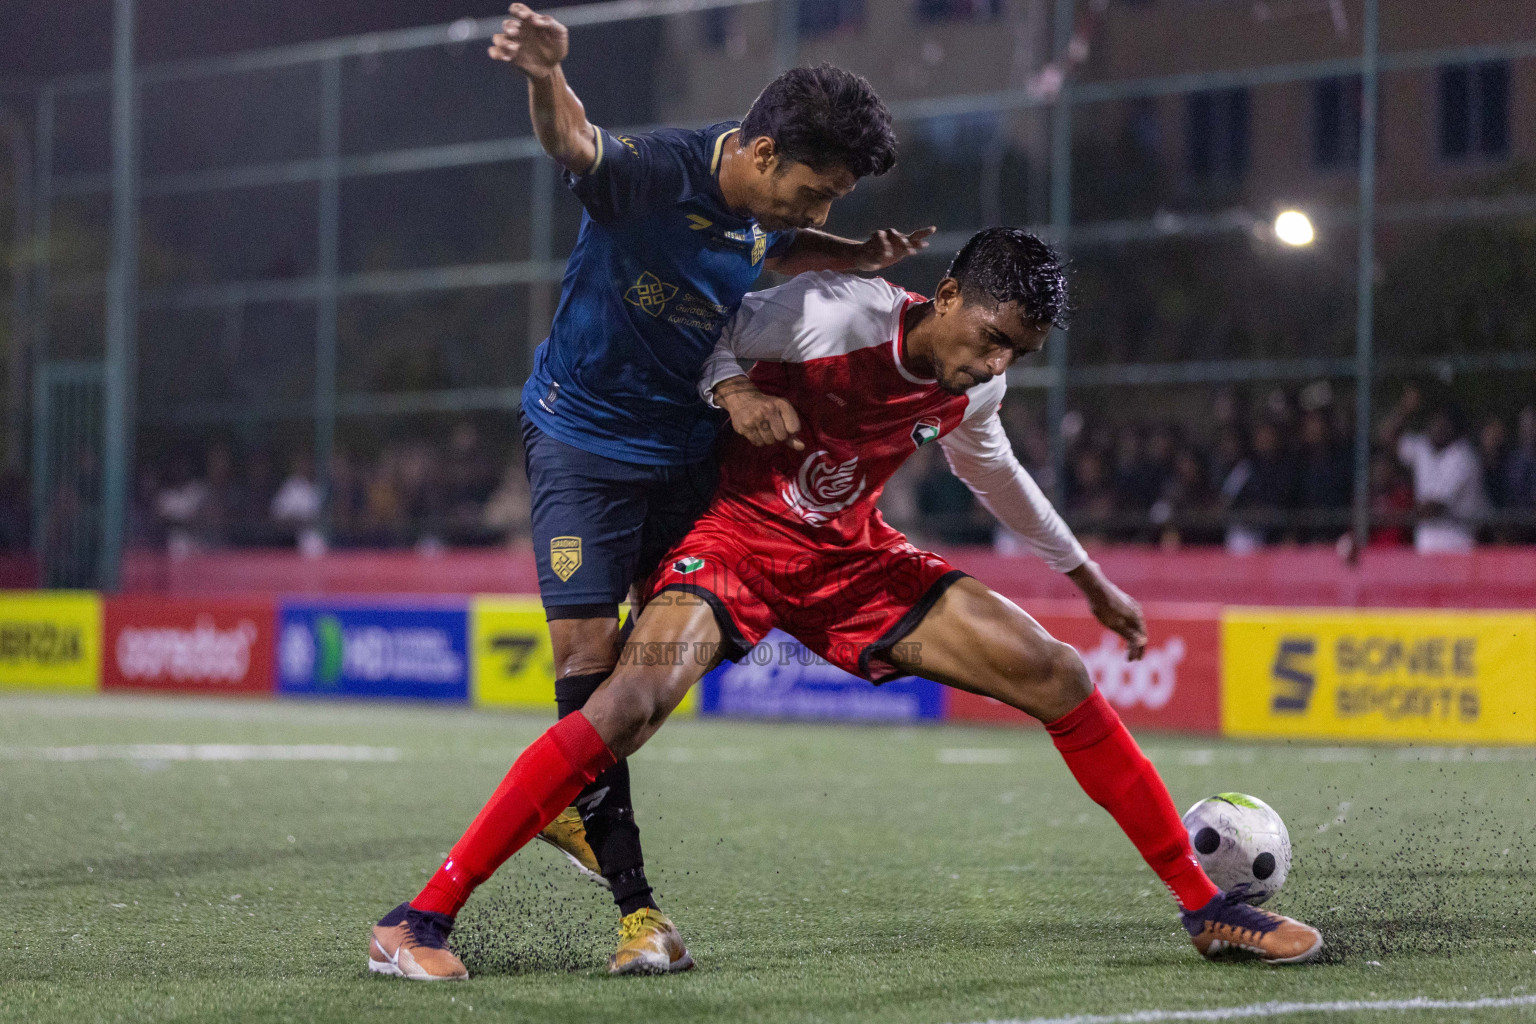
(823, 487)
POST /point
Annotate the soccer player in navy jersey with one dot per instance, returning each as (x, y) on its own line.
(677, 225)
(864, 374)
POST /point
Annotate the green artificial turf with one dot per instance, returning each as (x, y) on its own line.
(819, 873)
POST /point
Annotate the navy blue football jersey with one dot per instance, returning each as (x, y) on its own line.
(659, 267)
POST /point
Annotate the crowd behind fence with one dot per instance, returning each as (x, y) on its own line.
(1273, 468)
(344, 373)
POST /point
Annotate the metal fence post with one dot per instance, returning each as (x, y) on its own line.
(786, 34)
(1366, 274)
(118, 384)
(16, 370)
(42, 265)
(327, 258)
(1061, 228)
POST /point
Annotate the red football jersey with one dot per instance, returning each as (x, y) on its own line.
(831, 345)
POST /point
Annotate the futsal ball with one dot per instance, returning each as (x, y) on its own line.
(1240, 840)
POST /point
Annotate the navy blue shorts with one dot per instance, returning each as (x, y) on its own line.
(600, 524)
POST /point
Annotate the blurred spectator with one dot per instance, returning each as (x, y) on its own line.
(179, 507)
(224, 502)
(946, 507)
(1520, 478)
(1391, 502)
(1258, 487)
(1091, 500)
(1493, 451)
(297, 505)
(1323, 478)
(1138, 478)
(1188, 497)
(1447, 478)
(509, 508)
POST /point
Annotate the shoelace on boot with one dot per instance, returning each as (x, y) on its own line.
(428, 930)
(1230, 910)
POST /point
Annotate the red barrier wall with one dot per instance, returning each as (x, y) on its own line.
(1296, 577)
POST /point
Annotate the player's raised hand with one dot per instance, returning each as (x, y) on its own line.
(886, 247)
(761, 419)
(534, 43)
(1113, 607)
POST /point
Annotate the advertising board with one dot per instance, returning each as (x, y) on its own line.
(418, 650)
(1399, 676)
(50, 639)
(200, 645)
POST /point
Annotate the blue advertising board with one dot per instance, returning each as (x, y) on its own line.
(779, 678)
(357, 649)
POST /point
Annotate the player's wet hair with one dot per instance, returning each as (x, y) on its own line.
(824, 117)
(1009, 265)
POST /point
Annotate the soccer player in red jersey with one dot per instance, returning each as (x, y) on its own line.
(831, 382)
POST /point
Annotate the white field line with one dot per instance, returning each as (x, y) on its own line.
(1277, 1009)
(202, 752)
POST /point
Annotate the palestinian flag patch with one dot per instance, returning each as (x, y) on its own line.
(684, 566)
(925, 430)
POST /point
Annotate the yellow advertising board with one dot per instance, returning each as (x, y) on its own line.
(50, 640)
(512, 663)
(1393, 676)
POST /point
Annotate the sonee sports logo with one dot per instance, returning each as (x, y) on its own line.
(690, 564)
(925, 430)
(1294, 675)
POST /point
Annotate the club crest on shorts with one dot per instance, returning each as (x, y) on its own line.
(687, 564)
(925, 430)
(564, 556)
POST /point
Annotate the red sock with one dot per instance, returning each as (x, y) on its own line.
(1112, 770)
(541, 784)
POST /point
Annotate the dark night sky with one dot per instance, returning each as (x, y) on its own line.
(48, 37)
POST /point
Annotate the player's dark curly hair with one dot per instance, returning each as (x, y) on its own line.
(824, 117)
(1010, 265)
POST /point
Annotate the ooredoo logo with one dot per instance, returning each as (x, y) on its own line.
(1150, 682)
(169, 654)
(215, 645)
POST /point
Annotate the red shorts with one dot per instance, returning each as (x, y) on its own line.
(848, 604)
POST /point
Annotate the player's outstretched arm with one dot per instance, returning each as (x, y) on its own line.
(1113, 607)
(817, 250)
(535, 44)
(979, 453)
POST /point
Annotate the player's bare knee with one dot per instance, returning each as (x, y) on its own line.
(1069, 682)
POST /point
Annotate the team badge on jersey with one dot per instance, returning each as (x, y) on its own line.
(823, 487)
(687, 565)
(650, 293)
(565, 556)
(925, 430)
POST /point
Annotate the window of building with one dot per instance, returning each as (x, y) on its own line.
(1474, 110)
(932, 11)
(819, 17)
(1218, 124)
(717, 26)
(1336, 122)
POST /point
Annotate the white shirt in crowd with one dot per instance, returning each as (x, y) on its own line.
(1451, 476)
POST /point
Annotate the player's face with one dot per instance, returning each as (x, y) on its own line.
(792, 195)
(978, 341)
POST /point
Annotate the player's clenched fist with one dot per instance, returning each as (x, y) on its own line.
(761, 419)
(534, 43)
